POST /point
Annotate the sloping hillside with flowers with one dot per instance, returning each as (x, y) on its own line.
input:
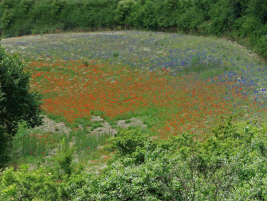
(155, 115)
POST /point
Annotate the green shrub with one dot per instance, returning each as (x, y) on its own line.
(16, 18)
(190, 19)
(97, 14)
(126, 141)
(261, 46)
(123, 10)
(116, 54)
(28, 185)
(64, 159)
(4, 146)
(246, 25)
(227, 165)
(257, 8)
(220, 17)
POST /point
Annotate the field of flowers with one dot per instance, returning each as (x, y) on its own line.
(173, 83)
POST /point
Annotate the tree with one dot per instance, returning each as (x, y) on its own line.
(17, 103)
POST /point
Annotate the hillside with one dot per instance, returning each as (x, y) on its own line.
(141, 100)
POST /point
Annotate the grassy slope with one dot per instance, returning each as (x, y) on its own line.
(135, 50)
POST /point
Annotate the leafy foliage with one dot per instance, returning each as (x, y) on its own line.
(16, 102)
(64, 158)
(190, 19)
(228, 165)
(4, 144)
(126, 143)
(27, 185)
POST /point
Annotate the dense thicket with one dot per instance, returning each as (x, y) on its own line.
(227, 165)
(244, 21)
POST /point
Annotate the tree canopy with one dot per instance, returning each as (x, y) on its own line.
(17, 103)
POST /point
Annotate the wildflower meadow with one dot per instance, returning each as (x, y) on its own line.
(173, 83)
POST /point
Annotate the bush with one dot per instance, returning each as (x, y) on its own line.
(191, 19)
(246, 25)
(45, 15)
(220, 15)
(28, 185)
(4, 144)
(16, 18)
(261, 46)
(63, 159)
(126, 141)
(227, 165)
(123, 11)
